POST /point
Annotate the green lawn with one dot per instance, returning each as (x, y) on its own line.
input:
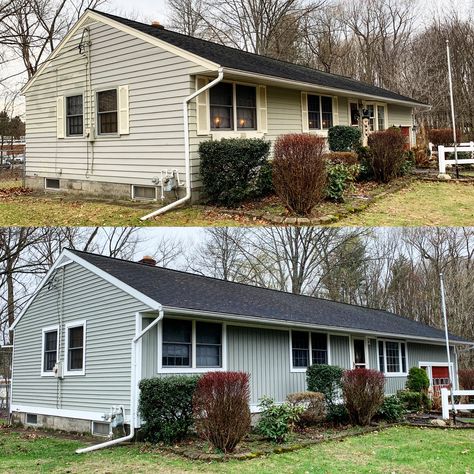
(396, 450)
(420, 203)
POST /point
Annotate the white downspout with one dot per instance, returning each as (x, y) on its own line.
(133, 393)
(187, 160)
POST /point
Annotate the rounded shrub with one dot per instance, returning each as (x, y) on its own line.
(387, 154)
(363, 391)
(392, 409)
(166, 407)
(417, 380)
(299, 171)
(313, 404)
(325, 379)
(230, 168)
(344, 138)
(221, 408)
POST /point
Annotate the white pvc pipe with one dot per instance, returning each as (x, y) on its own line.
(187, 160)
(133, 391)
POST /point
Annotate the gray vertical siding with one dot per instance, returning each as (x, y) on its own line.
(110, 316)
(340, 352)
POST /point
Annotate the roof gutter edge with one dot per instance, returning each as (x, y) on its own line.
(325, 88)
(276, 322)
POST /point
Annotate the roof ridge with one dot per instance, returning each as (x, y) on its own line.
(308, 68)
(406, 318)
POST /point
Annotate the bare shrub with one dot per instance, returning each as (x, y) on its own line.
(443, 136)
(299, 171)
(314, 405)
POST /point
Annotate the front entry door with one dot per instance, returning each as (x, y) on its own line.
(359, 354)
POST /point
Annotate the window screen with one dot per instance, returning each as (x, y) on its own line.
(314, 112)
(74, 115)
(144, 192)
(392, 356)
(246, 97)
(221, 105)
(176, 348)
(107, 111)
(208, 344)
(31, 419)
(51, 183)
(75, 348)
(300, 348)
(50, 350)
(319, 348)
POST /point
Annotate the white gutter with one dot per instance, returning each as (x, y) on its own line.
(187, 160)
(133, 393)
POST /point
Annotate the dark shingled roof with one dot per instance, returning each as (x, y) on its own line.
(183, 290)
(234, 58)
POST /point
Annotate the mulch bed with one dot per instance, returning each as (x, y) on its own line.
(270, 209)
(254, 446)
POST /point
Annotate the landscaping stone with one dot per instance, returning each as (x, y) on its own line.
(438, 422)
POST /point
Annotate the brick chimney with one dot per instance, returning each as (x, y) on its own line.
(147, 260)
(157, 24)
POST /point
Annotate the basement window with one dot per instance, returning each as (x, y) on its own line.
(147, 193)
(31, 419)
(101, 429)
(50, 183)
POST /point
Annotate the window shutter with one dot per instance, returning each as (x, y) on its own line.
(60, 119)
(124, 122)
(304, 112)
(335, 111)
(263, 123)
(202, 108)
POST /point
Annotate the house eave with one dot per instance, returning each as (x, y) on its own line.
(294, 324)
(278, 81)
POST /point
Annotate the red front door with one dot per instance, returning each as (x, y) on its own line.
(439, 377)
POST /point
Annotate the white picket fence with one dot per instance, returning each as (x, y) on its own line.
(447, 405)
(461, 148)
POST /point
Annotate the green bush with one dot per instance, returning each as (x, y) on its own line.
(338, 414)
(392, 409)
(366, 172)
(264, 182)
(417, 380)
(340, 178)
(166, 407)
(325, 379)
(344, 138)
(277, 421)
(414, 401)
(230, 168)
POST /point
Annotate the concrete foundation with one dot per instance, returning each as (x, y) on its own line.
(55, 422)
(102, 190)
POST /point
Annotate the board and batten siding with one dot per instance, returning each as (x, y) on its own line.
(110, 326)
(265, 355)
(157, 81)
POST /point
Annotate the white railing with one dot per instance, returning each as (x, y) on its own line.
(447, 404)
(461, 148)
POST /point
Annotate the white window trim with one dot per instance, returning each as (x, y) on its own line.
(49, 373)
(193, 369)
(321, 130)
(66, 134)
(364, 105)
(71, 325)
(235, 131)
(52, 189)
(393, 374)
(352, 351)
(303, 369)
(96, 97)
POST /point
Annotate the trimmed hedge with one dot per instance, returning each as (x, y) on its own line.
(230, 168)
(344, 138)
(313, 404)
(414, 401)
(417, 380)
(166, 406)
(325, 379)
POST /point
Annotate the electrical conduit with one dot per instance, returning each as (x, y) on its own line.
(133, 393)
(187, 160)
